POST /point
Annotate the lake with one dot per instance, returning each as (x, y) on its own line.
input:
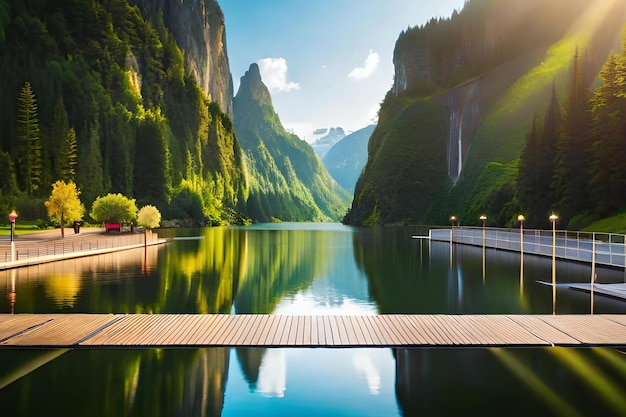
(308, 269)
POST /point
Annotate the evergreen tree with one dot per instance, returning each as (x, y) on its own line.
(609, 127)
(69, 156)
(90, 177)
(573, 161)
(29, 160)
(152, 160)
(536, 194)
(57, 138)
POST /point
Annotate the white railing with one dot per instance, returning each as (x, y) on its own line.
(609, 248)
(25, 250)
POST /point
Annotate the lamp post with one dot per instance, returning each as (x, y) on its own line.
(521, 219)
(12, 217)
(483, 219)
(553, 218)
(452, 220)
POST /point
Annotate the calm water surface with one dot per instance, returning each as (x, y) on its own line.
(308, 269)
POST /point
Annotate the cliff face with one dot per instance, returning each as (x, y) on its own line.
(483, 75)
(204, 47)
(483, 35)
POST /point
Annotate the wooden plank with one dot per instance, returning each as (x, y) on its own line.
(277, 334)
(621, 319)
(417, 332)
(449, 330)
(197, 322)
(328, 333)
(62, 330)
(355, 330)
(163, 324)
(315, 337)
(260, 337)
(204, 328)
(395, 330)
(387, 335)
(243, 329)
(589, 329)
(341, 330)
(307, 335)
(13, 324)
(544, 331)
(215, 331)
(372, 330)
(366, 336)
(293, 331)
(110, 335)
(284, 340)
(334, 328)
(256, 326)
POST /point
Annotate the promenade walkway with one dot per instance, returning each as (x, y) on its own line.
(48, 246)
(202, 330)
(602, 248)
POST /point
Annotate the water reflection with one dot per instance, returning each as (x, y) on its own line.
(555, 381)
(116, 383)
(285, 270)
(339, 382)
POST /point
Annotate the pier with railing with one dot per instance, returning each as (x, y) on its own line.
(606, 249)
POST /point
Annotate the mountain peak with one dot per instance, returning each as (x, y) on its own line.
(253, 88)
(254, 73)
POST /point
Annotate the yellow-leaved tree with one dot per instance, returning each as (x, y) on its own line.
(63, 205)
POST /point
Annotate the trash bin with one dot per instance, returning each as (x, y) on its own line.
(77, 227)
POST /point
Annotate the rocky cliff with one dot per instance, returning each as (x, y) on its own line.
(204, 47)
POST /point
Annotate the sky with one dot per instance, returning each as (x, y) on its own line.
(327, 63)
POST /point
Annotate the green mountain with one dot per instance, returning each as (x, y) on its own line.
(287, 180)
(116, 80)
(466, 93)
(346, 159)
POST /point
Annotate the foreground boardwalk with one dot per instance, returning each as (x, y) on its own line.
(187, 330)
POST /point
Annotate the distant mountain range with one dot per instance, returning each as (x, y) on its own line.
(324, 139)
(346, 159)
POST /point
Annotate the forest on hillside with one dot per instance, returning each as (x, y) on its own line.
(495, 67)
(93, 92)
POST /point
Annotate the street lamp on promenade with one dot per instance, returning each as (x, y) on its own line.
(521, 220)
(553, 219)
(12, 217)
(452, 220)
(483, 219)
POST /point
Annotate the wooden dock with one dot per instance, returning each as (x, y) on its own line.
(205, 330)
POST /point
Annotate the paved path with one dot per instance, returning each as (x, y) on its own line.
(49, 246)
(194, 330)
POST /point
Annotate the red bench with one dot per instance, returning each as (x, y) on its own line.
(113, 227)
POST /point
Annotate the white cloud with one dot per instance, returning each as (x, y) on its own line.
(274, 74)
(368, 68)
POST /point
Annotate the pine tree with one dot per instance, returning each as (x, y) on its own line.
(535, 191)
(29, 159)
(69, 156)
(609, 127)
(573, 160)
(57, 138)
(89, 173)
